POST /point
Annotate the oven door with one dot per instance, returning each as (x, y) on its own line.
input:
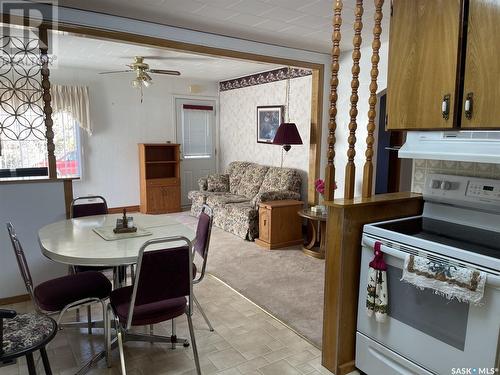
(425, 329)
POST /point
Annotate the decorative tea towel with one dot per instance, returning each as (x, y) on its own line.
(376, 298)
(448, 280)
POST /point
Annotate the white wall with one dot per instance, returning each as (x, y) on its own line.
(238, 125)
(120, 122)
(29, 206)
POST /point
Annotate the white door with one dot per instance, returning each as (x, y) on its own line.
(195, 121)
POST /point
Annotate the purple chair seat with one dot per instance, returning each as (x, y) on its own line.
(55, 294)
(148, 313)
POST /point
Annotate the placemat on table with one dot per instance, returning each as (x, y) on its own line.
(107, 233)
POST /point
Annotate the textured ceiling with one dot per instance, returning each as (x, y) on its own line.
(102, 55)
(302, 24)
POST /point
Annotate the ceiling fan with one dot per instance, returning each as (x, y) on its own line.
(142, 70)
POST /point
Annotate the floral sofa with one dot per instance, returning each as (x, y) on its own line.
(234, 196)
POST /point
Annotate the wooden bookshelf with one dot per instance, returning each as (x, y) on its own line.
(159, 166)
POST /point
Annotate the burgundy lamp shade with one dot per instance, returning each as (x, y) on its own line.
(286, 135)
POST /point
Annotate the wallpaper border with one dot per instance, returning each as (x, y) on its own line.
(264, 77)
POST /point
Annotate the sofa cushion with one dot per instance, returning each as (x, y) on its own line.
(279, 179)
(252, 180)
(235, 170)
(220, 200)
(218, 182)
(241, 219)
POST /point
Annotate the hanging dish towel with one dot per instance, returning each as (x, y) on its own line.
(450, 281)
(376, 298)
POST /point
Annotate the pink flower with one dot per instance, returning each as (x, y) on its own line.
(319, 186)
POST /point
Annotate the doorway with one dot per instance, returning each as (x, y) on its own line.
(195, 129)
(393, 174)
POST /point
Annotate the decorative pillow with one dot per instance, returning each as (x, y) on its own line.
(218, 182)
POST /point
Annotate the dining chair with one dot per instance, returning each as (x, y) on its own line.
(57, 296)
(90, 206)
(163, 290)
(201, 245)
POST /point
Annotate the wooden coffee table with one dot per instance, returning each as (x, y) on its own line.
(316, 246)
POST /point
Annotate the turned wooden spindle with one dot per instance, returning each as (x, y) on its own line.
(372, 101)
(334, 82)
(350, 170)
(47, 108)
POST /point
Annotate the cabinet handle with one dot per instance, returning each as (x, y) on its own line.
(445, 106)
(468, 106)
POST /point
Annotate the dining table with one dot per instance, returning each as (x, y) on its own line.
(77, 241)
(90, 241)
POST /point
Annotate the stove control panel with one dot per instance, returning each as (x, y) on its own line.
(484, 190)
(463, 191)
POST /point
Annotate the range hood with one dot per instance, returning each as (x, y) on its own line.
(475, 146)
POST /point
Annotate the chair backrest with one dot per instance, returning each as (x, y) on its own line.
(90, 208)
(21, 262)
(202, 239)
(163, 274)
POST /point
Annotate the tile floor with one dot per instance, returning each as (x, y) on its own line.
(246, 341)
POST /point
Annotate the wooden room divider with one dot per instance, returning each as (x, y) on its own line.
(347, 216)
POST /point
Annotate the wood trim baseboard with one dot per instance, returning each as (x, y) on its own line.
(119, 210)
(14, 299)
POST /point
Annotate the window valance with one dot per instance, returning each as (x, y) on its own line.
(73, 99)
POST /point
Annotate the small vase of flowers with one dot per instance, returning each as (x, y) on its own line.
(319, 186)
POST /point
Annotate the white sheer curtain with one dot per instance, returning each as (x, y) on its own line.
(75, 100)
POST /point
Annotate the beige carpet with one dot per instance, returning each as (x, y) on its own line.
(286, 283)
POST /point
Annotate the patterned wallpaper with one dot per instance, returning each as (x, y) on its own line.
(423, 167)
(264, 77)
(238, 124)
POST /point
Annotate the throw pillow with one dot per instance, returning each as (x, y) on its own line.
(218, 182)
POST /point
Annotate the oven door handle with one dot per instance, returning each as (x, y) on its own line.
(491, 280)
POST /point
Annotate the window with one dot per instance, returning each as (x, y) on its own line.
(196, 132)
(28, 156)
(67, 142)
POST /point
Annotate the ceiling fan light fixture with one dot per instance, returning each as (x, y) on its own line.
(147, 83)
(136, 83)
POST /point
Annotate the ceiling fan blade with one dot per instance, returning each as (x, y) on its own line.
(161, 71)
(177, 58)
(117, 71)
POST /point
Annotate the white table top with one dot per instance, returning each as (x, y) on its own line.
(74, 242)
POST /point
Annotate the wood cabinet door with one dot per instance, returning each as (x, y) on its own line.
(264, 224)
(482, 66)
(171, 198)
(155, 200)
(163, 199)
(423, 63)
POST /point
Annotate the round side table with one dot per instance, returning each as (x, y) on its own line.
(316, 247)
(25, 333)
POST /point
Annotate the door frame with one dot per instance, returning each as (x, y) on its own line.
(216, 124)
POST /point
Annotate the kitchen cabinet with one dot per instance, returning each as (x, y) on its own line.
(443, 65)
(159, 166)
(423, 63)
(482, 66)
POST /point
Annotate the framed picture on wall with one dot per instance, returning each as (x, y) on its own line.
(269, 118)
